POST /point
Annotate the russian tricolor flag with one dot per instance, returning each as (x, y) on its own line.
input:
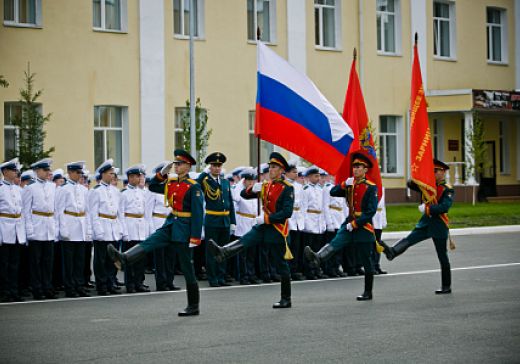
(292, 113)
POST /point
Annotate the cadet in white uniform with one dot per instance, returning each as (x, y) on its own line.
(246, 212)
(379, 223)
(106, 227)
(74, 229)
(132, 211)
(40, 225)
(12, 231)
(312, 205)
(296, 225)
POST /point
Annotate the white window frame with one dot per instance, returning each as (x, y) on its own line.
(125, 150)
(123, 18)
(16, 21)
(265, 147)
(453, 31)
(438, 139)
(505, 150)
(8, 106)
(337, 25)
(400, 152)
(397, 29)
(272, 22)
(200, 21)
(503, 36)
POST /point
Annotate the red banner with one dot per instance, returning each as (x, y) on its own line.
(355, 114)
(421, 157)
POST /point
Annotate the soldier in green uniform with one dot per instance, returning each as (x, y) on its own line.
(272, 226)
(182, 228)
(433, 224)
(219, 219)
(361, 195)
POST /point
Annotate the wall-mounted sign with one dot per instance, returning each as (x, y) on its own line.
(496, 100)
(453, 145)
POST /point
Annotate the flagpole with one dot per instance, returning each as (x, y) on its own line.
(258, 140)
(193, 127)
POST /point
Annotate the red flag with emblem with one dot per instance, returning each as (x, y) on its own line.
(355, 114)
(421, 155)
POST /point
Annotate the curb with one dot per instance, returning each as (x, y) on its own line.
(460, 232)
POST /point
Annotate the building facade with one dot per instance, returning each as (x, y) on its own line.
(115, 74)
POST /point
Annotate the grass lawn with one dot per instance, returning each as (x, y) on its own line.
(404, 217)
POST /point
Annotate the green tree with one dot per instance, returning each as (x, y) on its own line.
(202, 132)
(477, 147)
(30, 123)
(3, 82)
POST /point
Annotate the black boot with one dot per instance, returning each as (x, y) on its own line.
(129, 257)
(446, 281)
(193, 300)
(222, 253)
(285, 302)
(369, 283)
(315, 259)
(399, 248)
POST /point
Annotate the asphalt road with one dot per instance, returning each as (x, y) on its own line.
(405, 323)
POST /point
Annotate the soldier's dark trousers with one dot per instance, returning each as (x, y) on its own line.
(247, 263)
(24, 276)
(364, 249)
(134, 272)
(9, 263)
(164, 266)
(263, 262)
(73, 253)
(349, 261)
(216, 271)
(41, 255)
(295, 242)
(376, 257)
(57, 268)
(103, 266)
(315, 242)
(87, 271)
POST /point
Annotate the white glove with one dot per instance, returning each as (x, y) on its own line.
(257, 187)
(422, 208)
(260, 220)
(166, 169)
(349, 181)
(192, 245)
(350, 227)
(232, 228)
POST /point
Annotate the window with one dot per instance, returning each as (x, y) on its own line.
(181, 119)
(26, 13)
(109, 15)
(438, 151)
(108, 134)
(326, 18)
(444, 29)
(388, 26)
(261, 14)
(390, 140)
(505, 167)
(12, 110)
(181, 17)
(266, 148)
(496, 35)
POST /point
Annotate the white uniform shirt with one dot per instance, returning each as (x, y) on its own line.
(159, 212)
(336, 214)
(12, 229)
(312, 205)
(38, 200)
(71, 203)
(132, 209)
(104, 200)
(246, 211)
(379, 219)
(297, 220)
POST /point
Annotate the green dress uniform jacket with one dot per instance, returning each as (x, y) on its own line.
(435, 221)
(362, 203)
(186, 201)
(220, 210)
